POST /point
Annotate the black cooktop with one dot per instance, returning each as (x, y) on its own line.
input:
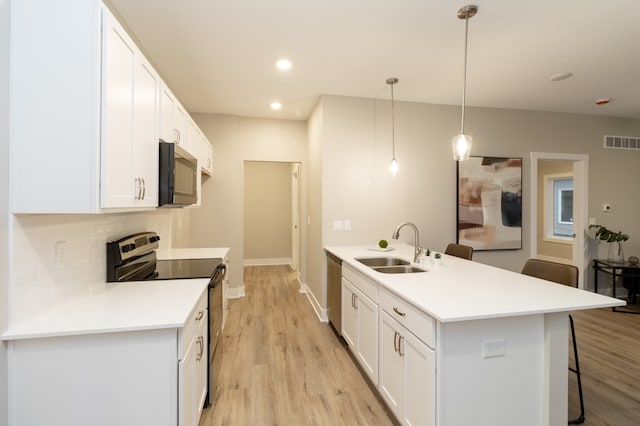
(185, 268)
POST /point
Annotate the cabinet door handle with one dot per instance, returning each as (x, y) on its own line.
(137, 185)
(395, 341)
(144, 188)
(200, 315)
(355, 301)
(200, 343)
(398, 312)
(177, 135)
(400, 340)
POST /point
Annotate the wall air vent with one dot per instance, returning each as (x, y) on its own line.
(621, 142)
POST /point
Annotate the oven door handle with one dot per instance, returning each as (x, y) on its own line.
(218, 273)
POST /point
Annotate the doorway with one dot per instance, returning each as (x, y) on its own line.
(272, 213)
(550, 173)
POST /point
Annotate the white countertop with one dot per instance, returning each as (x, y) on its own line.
(192, 253)
(459, 290)
(129, 306)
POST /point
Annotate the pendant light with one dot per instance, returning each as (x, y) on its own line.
(461, 143)
(393, 166)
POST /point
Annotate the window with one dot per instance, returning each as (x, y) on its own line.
(559, 207)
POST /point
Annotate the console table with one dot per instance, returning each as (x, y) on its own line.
(630, 273)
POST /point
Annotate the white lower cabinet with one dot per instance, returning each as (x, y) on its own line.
(394, 343)
(360, 324)
(407, 374)
(407, 378)
(192, 372)
(130, 378)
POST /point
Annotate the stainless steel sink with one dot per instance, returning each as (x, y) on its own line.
(401, 269)
(381, 261)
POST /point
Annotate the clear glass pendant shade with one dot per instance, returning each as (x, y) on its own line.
(394, 167)
(461, 145)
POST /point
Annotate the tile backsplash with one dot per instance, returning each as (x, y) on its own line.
(57, 257)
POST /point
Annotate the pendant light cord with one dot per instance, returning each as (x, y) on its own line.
(393, 125)
(464, 77)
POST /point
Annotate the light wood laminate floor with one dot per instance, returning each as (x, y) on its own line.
(282, 366)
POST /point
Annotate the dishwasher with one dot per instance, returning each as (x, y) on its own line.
(334, 292)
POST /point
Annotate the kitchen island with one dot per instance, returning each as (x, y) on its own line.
(462, 343)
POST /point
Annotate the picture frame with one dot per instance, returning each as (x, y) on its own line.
(489, 203)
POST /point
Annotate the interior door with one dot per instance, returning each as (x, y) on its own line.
(295, 217)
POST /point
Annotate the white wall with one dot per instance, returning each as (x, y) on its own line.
(354, 137)
(55, 257)
(4, 201)
(220, 220)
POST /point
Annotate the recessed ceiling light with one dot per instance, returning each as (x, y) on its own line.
(561, 76)
(283, 64)
(276, 105)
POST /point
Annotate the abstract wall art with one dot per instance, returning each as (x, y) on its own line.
(490, 203)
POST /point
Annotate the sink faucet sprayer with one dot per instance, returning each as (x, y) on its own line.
(417, 249)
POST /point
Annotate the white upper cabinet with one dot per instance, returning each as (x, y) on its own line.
(129, 158)
(173, 119)
(83, 112)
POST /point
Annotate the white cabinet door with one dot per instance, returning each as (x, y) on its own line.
(391, 379)
(167, 101)
(367, 347)
(187, 386)
(201, 367)
(349, 314)
(206, 153)
(360, 327)
(407, 373)
(129, 157)
(420, 379)
(145, 148)
(117, 182)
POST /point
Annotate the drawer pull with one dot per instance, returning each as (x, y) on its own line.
(398, 312)
(200, 315)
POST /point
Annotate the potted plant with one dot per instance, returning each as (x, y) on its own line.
(615, 251)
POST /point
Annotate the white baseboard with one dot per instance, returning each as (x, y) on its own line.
(268, 261)
(322, 314)
(235, 292)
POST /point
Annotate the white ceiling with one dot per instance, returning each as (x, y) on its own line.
(218, 56)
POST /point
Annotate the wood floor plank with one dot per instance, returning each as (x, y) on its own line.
(282, 366)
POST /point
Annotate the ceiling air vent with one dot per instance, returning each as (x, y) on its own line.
(621, 142)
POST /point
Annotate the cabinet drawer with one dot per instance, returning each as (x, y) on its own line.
(416, 321)
(361, 282)
(197, 316)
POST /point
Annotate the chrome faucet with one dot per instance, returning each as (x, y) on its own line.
(417, 249)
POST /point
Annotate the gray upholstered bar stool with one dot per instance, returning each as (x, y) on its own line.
(459, 250)
(562, 274)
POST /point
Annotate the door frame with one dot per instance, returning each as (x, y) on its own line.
(580, 255)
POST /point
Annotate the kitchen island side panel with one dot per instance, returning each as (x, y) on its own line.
(80, 380)
(475, 384)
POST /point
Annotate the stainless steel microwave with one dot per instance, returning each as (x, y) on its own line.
(178, 172)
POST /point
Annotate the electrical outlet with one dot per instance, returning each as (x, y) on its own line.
(493, 348)
(338, 225)
(59, 250)
(347, 224)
